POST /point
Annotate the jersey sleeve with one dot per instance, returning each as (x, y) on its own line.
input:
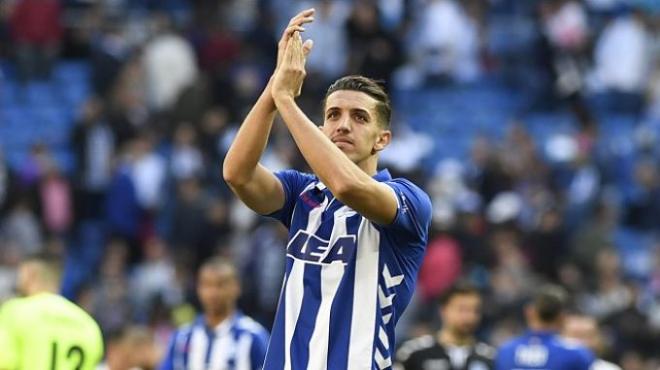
(168, 360)
(413, 214)
(504, 357)
(585, 359)
(258, 350)
(293, 183)
(8, 338)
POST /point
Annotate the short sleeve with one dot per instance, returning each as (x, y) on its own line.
(258, 350)
(585, 359)
(413, 214)
(293, 183)
(168, 361)
(10, 350)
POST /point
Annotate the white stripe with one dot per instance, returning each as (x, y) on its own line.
(330, 278)
(295, 289)
(223, 347)
(243, 352)
(198, 345)
(383, 337)
(365, 298)
(384, 300)
(382, 362)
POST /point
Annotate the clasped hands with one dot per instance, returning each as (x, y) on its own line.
(292, 53)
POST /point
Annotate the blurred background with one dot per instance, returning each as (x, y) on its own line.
(533, 124)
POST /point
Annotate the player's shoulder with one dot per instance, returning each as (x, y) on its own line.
(511, 344)
(248, 324)
(404, 183)
(604, 365)
(485, 350)
(571, 345)
(295, 175)
(413, 346)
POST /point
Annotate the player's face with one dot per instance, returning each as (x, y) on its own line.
(351, 122)
(583, 330)
(462, 313)
(217, 289)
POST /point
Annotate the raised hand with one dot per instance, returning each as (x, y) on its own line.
(295, 24)
(291, 73)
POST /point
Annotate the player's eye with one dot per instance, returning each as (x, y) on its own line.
(360, 117)
(332, 114)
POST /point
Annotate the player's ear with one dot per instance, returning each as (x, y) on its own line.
(382, 141)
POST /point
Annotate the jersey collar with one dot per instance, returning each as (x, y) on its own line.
(383, 175)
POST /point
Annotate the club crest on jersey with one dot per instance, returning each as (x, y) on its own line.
(310, 248)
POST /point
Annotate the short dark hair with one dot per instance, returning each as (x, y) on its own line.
(459, 288)
(550, 302)
(219, 263)
(370, 87)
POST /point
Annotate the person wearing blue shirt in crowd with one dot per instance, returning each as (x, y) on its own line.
(222, 338)
(541, 347)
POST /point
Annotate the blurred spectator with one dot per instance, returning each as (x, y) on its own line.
(148, 170)
(94, 147)
(131, 348)
(154, 279)
(330, 54)
(56, 200)
(448, 42)
(610, 294)
(186, 159)
(622, 62)
(108, 297)
(373, 51)
(643, 206)
(585, 330)
(441, 266)
(37, 34)
(262, 269)
(188, 223)
(169, 63)
(21, 234)
(110, 50)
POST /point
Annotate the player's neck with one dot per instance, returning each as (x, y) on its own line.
(448, 337)
(369, 165)
(39, 289)
(214, 319)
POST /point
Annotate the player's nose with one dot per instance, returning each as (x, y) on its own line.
(344, 125)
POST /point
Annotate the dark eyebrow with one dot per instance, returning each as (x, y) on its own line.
(360, 110)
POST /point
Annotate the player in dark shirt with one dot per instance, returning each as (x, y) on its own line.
(454, 347)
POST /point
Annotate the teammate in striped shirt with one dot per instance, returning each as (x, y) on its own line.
(356, 236)
(222, 338)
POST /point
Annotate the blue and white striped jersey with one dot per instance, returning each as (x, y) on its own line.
(238, 343)
(347, 279)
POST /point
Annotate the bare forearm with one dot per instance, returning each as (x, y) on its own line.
(332, 167)
(250, 141)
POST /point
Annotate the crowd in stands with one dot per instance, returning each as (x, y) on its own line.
(148, 94)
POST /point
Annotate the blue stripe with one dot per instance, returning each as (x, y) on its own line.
(312, 295)
(186, 348)
(210, 337)
(302, 334)
(341, 312)
(275, 352)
